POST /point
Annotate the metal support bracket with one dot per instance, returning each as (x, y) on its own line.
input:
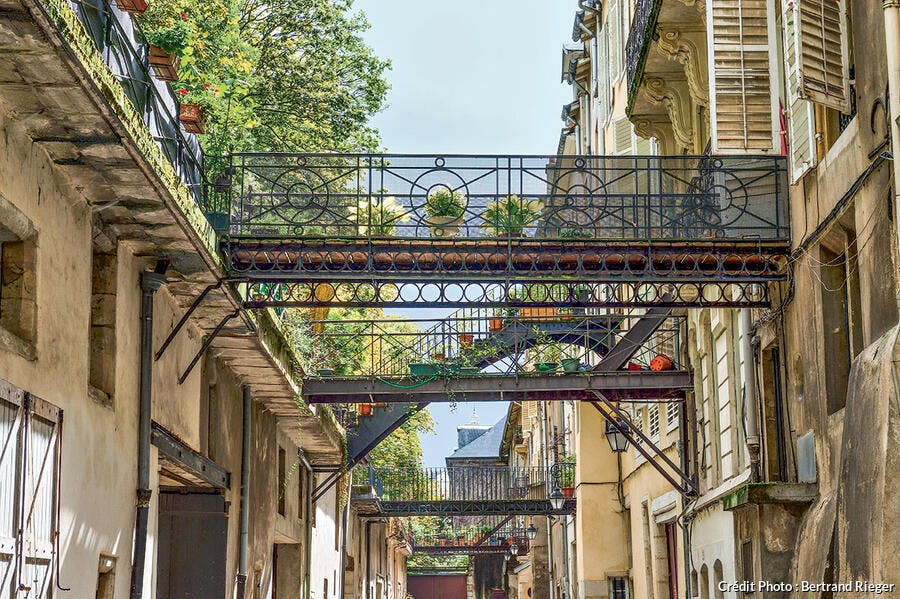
(194, 305)
(686, 487)
(209, 339)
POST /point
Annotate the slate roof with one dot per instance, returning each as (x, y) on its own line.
(486, 445)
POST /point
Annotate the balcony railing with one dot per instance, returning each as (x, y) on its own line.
(502, 199)
(122, 45)
(643, 28)
(484, 341)
(468, 483)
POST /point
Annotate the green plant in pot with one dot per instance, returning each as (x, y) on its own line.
(378, 215)
(548, 356)
(508, 217)
(444, 211)
(567, 475)
(575, 234)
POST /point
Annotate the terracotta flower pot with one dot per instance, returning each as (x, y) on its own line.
(135, 6)
(365, 409)
(164, 65)
(444, 226)
(495, 324)
(192, 118)
(661, 362)
(568, 492)
(466, 339)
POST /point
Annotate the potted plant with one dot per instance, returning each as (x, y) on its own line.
(378, 215)
(166, 46)
(571, 364)
(574, 234)
(509, 216)
(133, 6)
(567, 476)
(518, 438)
(466, 339)
(193, 117)
(365, 409)
(444, 210)
(495, 323)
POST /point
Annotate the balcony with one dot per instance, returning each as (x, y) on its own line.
(470, 219)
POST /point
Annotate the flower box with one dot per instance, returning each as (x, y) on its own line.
(135, 6)
(164, 65)
(192, 118)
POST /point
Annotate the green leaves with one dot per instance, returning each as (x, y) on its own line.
(281, 75)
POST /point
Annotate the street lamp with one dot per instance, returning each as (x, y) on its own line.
(514, 550)
(618, 442)
(531, 531)
(557, 499)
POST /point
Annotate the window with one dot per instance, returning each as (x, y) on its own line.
(673, 409)
(18, 308)
(102, 367)
(618, 588)
(282, 480)
(653, 422)
(28, 487)
(744, 113)
(841, 312)
(106, 577)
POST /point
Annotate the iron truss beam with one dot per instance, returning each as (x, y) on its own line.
(466, 550)
(499, 292)
(617, 385)
(518, 507)
(521, 259)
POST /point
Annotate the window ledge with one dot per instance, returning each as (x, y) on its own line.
(13, 343)
(100, 397)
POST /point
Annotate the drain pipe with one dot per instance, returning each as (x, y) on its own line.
(151, 281)
(307, 524)
(245, 493)
(751, 399)
(892, 43)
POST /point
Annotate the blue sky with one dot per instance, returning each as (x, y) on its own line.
(470, 77)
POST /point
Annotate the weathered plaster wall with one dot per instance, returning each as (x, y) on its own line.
(601, 530)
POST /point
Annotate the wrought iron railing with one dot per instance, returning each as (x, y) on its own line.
(468, 483)
(507, 199)
(122, 45)
(640, 36)
(484, 342)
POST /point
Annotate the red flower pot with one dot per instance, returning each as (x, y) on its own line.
(661, 362)
(192, 118)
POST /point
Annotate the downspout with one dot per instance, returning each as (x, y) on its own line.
(565, 519)
(345, 534)
(307, 557)
(546, 442)
(150, 284)
(892, 45)
(751, 399)
(368, 559)
(245, 494)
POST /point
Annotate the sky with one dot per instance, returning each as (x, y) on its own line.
(470, 77)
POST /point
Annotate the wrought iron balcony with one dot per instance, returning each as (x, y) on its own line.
(467, 490)
(474, 540)
(640, 36)
(459, 220)
(487, 342)
(121, 43)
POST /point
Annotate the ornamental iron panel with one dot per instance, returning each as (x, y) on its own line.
(344, 197)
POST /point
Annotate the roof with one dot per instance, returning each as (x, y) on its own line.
(486, 445)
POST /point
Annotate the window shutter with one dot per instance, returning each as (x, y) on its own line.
(744, 103)
(603, 79)
(614, 29)
(624, 136)
(822, 48)
(643, 147)
(801, 118)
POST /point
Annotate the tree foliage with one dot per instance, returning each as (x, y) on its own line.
(274, 75)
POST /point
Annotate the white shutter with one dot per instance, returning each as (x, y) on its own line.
(603, 78)
(800, 112)
(615, 46)
(742, 72)
(624, 136)
(822, 48)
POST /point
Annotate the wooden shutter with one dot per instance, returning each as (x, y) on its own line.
(624, 137)
(823, 54)
(29, 429)
(603, 79)
(744, 103)
(615, 46)
(800, 115)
